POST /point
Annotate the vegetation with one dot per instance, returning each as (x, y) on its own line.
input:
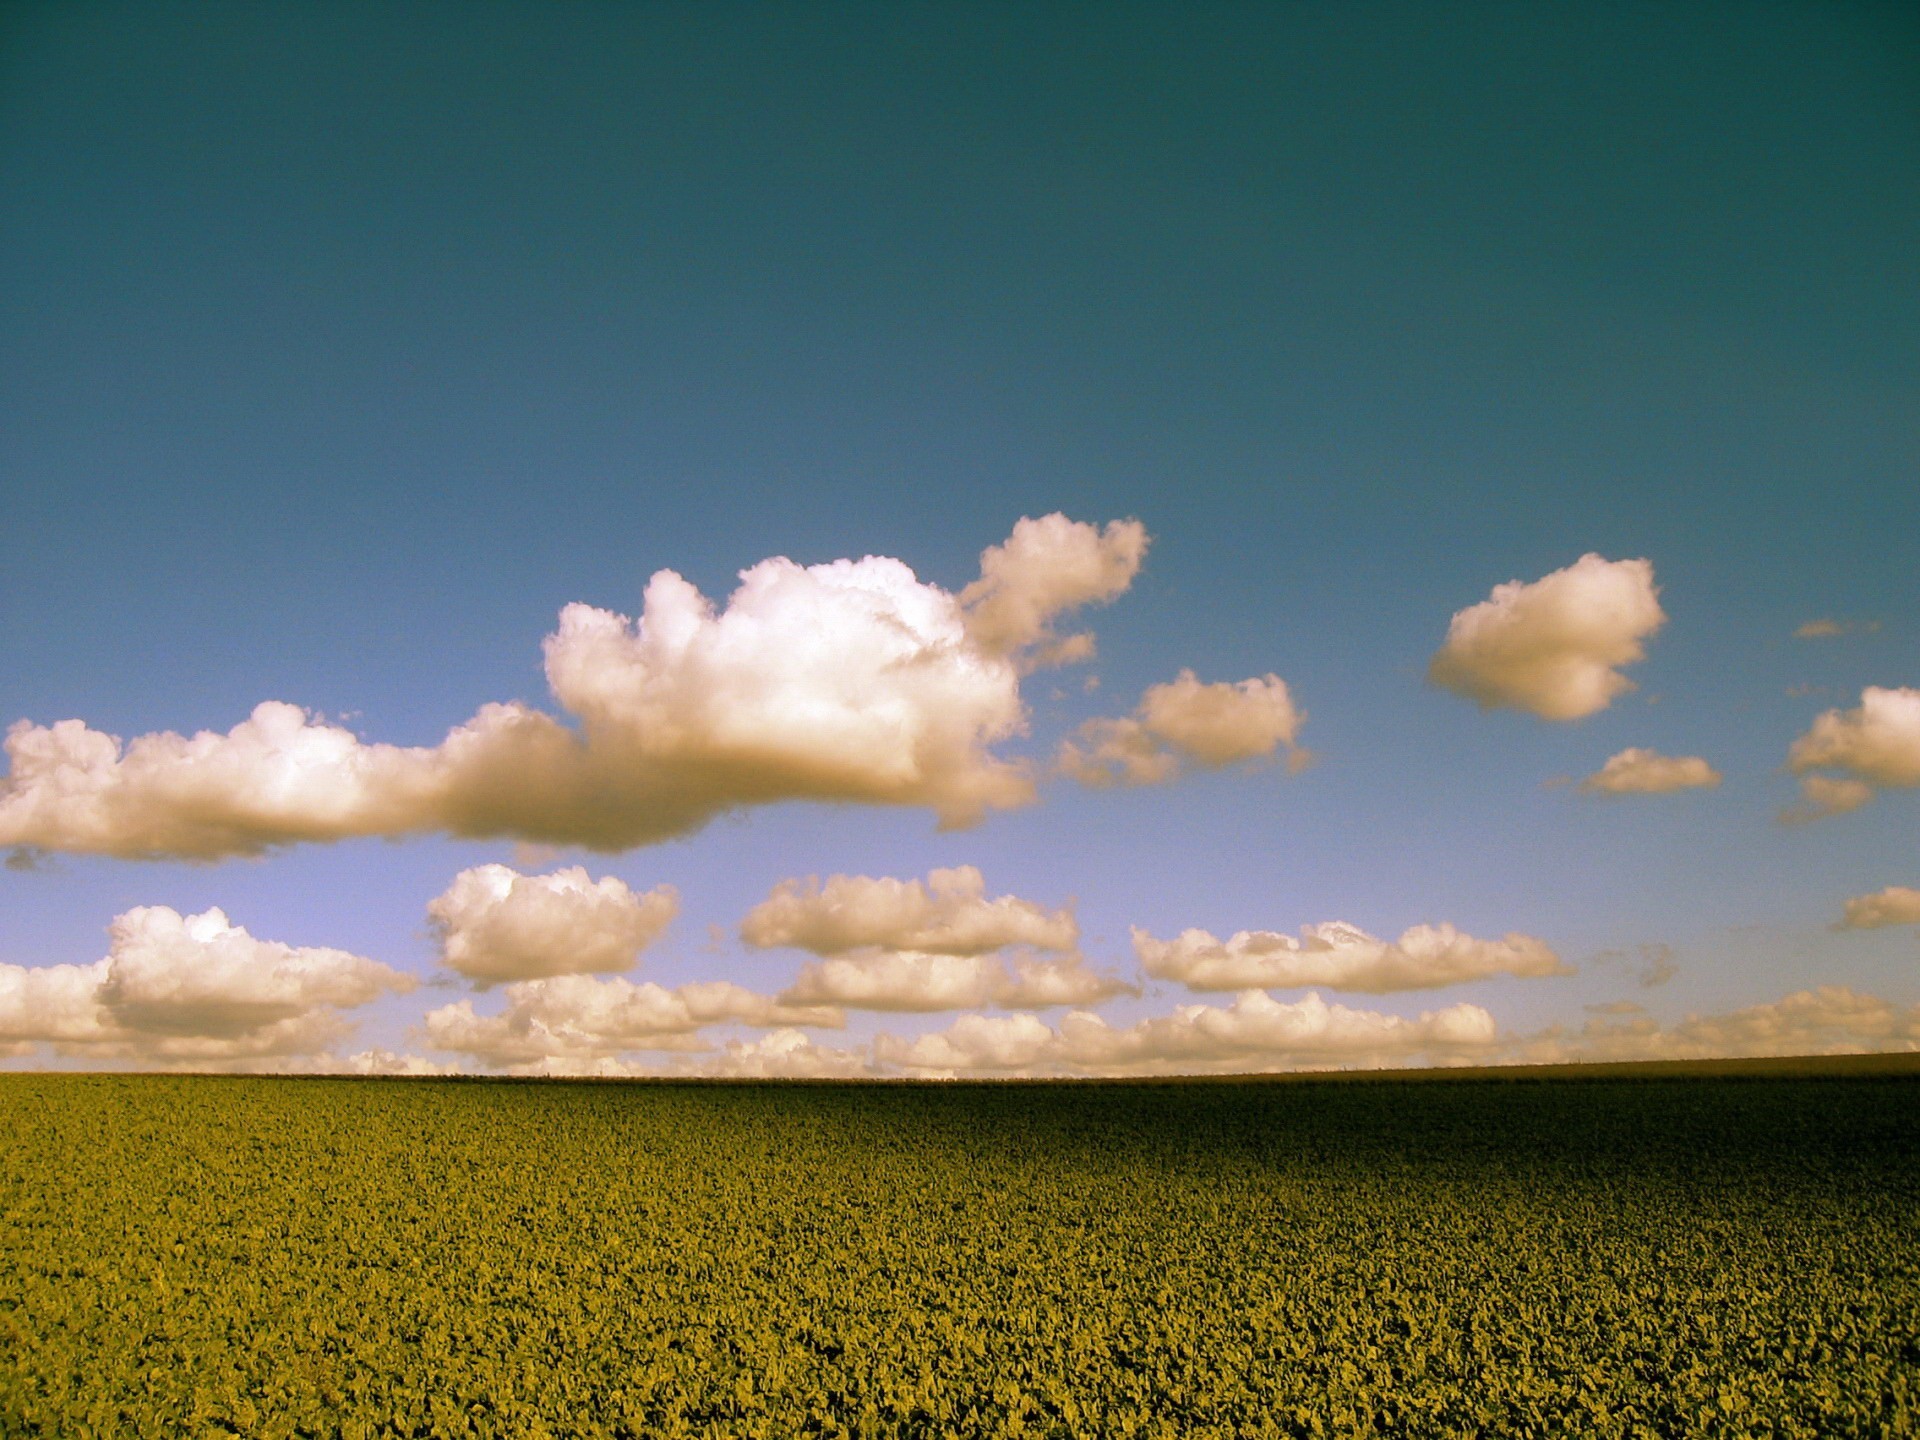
(282, 1257)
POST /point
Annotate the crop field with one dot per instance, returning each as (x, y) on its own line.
(1593, 1257)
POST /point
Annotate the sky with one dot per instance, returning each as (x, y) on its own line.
(656, 460)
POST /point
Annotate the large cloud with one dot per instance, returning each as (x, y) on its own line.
(1255, 1032)
(1875, 746)
(1638, 771)
(177, 989)
(1553, 647)
(1341, 957)
(577, 1018)
(1895, 905)
(1185, 722)
(947, 914)
(495, 924)
(850, 681)
(913, 981)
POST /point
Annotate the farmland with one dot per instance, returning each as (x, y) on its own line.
(1595, 1257)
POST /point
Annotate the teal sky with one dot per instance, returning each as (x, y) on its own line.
(342, 346)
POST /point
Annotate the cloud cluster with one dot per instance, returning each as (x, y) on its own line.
(1895, 905)
(177, 989)
(906, 980)
(947, 914)
(1186, 722)
(1638, 771)
(850, 681)
(1255, 1032)
(495, 924)
(1553, 647)
(1341, 957)
(578, 1019)
(1875, 746)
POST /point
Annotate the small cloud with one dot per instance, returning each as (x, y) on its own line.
(1658, 965)
(26, 859)
(495, 924)
(1654, 964)
(1187, 722)
(1341, 957)
(1828, 629)
(1616, 1007)
(1895, 905)
(1553, 647)
(1639, 771)
(948, 913)
(1875, 746)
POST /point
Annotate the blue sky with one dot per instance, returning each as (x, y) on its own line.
(340, 347)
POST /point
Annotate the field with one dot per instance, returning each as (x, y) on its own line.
(1591, 1257)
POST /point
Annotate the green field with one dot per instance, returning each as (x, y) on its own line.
(1588, 1257)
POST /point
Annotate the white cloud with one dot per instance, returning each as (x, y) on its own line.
(912, 981)
(948, 914)
(495, 924)
(1341, 957)
(1553, 647)
(1832, 1020)
(177, 989)
(1045, 569)
(1638, 771)
(850, 681)
(786, 1054)
(387, 1062)
(1895, 905)
(579, 1019)
(1255, 1032)
(1185, 721)
(1875, 746)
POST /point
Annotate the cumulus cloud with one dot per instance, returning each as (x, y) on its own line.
(177, 989)
(1638, 771)
(1553, 647)
(1045, 569)
(1895, 905)
(495, 924)
(1341, 957)
(1255, 1032)
(850, 681)
(947, 914)
(1186, 722)
(1875, 746)
(577, 1019)
(913, 981)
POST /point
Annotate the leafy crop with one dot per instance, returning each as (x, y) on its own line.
(198, 1256)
